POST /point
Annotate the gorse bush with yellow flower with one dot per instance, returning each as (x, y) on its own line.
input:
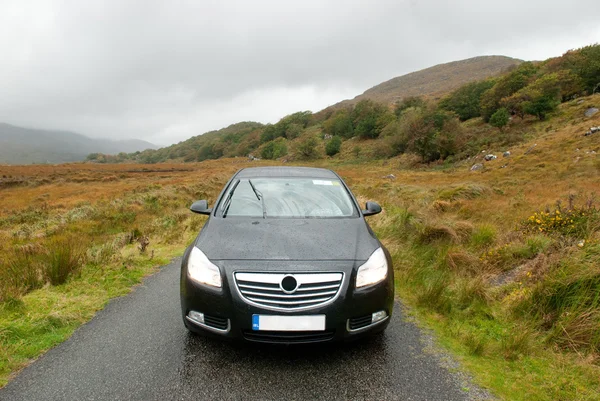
(572, 221)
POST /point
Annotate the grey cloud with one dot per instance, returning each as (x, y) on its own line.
(166, 70)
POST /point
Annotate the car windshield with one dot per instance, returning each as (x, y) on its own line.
(288, 197)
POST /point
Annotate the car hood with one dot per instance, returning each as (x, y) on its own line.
(287, 239)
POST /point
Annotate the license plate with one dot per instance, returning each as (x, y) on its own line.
(288, 323)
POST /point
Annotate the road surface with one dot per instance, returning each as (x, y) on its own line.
(137, 349)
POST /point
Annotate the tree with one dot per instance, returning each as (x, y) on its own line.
(465, 101)
(505, 87)
(540, 97)
(369, 118)
(339, 124)
(500, 118)
(333, 146)
(407, 103)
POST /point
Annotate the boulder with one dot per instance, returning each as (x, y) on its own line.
(506, 154)
(390, 177)
(490, 157)
(591, 111)
(477, 167)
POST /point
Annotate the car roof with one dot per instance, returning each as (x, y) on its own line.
(312, 172)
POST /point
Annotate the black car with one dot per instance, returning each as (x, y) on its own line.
(286, 256)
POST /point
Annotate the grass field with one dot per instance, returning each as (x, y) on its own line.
(502, 263)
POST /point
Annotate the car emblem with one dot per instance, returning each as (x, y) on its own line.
(289, 284)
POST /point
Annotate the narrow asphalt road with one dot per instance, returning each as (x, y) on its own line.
(138, 349)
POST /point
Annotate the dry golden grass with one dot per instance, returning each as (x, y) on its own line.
(441, 218)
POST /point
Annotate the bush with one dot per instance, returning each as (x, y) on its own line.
(500, 118)
(307, 149)
(575, 222)
(333, 146)
(274, 150)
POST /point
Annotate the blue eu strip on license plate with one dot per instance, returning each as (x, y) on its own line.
(255, 325)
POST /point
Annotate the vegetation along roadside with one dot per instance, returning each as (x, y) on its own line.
(499, 255)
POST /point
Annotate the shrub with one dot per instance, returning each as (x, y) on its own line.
(274, 150)
(500, 118)
(576, 222)
(307, 149)
(333, 146)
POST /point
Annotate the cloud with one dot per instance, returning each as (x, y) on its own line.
(162, 71)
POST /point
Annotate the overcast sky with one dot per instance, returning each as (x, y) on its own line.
(167, 70)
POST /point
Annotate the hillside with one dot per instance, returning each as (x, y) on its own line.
(211, 145)
(20, 145)
(438, 80)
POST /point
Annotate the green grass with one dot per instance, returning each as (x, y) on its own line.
(502, 334)
(43, 318)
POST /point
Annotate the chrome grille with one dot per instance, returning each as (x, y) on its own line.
(265, 290)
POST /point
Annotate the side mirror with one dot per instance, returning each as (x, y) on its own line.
(200, 207)
(371, 209)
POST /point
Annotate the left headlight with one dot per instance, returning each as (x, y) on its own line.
(201, 269)
(373, 271)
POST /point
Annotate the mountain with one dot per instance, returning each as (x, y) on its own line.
(20, 145)
(436, 81)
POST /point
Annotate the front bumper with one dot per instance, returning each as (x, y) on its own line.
(229, 316)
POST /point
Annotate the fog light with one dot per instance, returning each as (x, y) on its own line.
(196, 316)
(377, 316)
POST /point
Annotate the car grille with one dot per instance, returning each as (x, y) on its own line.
(265, 290)
(288, 337)
(216, 322)
(360, 322)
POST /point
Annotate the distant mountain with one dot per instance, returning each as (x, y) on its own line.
(25, 145)
(436, 81)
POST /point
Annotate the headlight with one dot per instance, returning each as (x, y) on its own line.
(373, 271)
(201, 269)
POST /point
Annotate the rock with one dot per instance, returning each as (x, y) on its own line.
(477, 167)
(592, 130)
(580, 101)
(591, 111)
(490, 157)
(506, 154)
(390, 177)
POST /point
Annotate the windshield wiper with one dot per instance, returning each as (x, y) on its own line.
(260, 197)
(227, 202)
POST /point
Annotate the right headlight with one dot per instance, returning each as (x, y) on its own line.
(373, 271)
(202, 270)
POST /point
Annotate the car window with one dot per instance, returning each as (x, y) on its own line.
(288, 197)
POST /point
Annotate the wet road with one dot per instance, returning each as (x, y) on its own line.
(138, 349)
